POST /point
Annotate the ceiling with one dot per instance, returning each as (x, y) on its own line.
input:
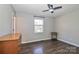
(36, 9)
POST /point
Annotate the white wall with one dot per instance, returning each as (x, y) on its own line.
(25, 27)
(67, 27)
(6, 14)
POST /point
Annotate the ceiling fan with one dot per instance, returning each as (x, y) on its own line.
(51, 8)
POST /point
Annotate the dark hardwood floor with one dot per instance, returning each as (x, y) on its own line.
(48, 47)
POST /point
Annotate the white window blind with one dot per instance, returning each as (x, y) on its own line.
(38, 25)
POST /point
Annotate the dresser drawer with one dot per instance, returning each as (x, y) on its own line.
(10, 46)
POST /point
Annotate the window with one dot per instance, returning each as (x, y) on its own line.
(38, 25)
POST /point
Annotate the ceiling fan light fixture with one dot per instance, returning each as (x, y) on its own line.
(51, 10)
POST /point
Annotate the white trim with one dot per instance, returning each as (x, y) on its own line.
(69, 42)
(36, 40)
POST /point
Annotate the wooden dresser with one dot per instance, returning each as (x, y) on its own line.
(10, 44)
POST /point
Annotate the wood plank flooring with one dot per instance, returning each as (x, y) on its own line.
(48, 47)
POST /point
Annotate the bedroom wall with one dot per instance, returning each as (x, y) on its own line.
(6, 13)
(67, 27)
(25, 27)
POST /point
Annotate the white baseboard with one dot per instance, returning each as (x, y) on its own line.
(36, 40)
(69, 42)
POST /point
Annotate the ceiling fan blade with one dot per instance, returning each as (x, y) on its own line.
(45, 10)
(57, 7)
(49, 6)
